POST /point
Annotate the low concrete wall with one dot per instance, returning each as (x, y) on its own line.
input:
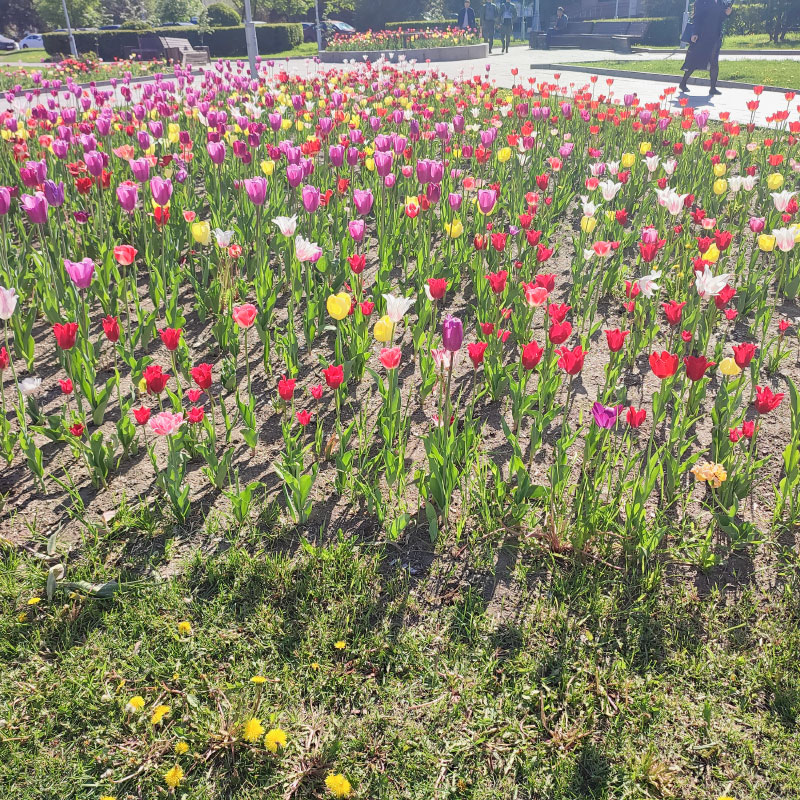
(458, 53)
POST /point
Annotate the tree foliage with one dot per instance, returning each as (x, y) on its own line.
(82, 13)
(221, 15)
(177, 10)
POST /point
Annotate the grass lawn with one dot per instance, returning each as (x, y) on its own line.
(762, 42)
(486, 669)
(768, 73)
(27, 56)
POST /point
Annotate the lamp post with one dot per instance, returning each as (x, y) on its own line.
(72, 48)
(319, 28)
(250, 39)
(685, 21)
(535, 24)
(616, 10)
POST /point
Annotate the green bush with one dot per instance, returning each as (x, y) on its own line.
(226, 42)
(221, 15)
(661, 32)
(136, 25)
(746, 19)
(421, 24)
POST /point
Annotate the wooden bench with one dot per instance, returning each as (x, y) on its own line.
(181, 51)
(605, 35)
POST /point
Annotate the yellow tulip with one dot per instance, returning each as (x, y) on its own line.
(173, 132)
(645, 148)
(712, 254)
(775, 181)
(766, 242)
(720, 170)
(729, 367)
(286, 124)
(369, 163)
(588, 224)
(299, 125)
(201, 233)
(454, 229)
(503, 154)
(268, 166)
(609, 216)
(628, 160)
(720, 186)
(338, 305)
(383, 329)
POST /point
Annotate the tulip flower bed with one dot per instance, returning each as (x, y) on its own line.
(402, 40)
(68, 72)
(535, 346)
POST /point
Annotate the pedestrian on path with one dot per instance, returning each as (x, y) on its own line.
(488, 19)
(466, 18)
(508, 15)
(706, 40)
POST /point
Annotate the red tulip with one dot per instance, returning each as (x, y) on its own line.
(766, 401)
(286, 388)
(195, 415)
(303, 417)
(622, 217)
(194, 394)
(560, 332)
(125, 254)
(616, 339)
(547, 280)
(334, 376)
(648, 251)
(316, 391)
(631, 289)
(532, 355)
(437, 287)
(743, 354)
(674, 311)
(533, 237)
(635, 418)
(748, 429)
(357, 263)
(171, 337)
(734, 434)
(696, 367)
(703, 243)
(571, 361)
(77, 429)
(367, 307)
(724, 296)
(155, 379)
(543, 253)
(141, 415)
(390, 357)
(66, 386)
(476, 351)
(4, 359)
(663, 364)
(487, 328)
(201, 375)
(65, 334)
(783, 325)
(499, 241)
(497, 280)
(722, 239)
(558, 311)
(111, 328)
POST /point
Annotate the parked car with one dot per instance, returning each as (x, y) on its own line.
(109, 27)
(7, 44)
(329, 28)
(31, 41)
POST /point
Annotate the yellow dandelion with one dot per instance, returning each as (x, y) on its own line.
(158, 714)
(340, 645)
(314, 665)
(174, 777)
(275, 740)
(338, 785)
(253, 730)
(185, 628)
(258, 679)
(135, 704)
(108, 797)
(181, 748)
(34, 601)
(22, 617)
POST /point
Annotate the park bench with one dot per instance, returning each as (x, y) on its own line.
(604, 35)
(174, 49)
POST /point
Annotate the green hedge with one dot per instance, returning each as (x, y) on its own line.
(661, 32)
(223, 42)
(421, 24)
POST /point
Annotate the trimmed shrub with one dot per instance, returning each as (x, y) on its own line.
(661, 32)
(136, 25)
(224, 42)
(221, 15)
(422, 24)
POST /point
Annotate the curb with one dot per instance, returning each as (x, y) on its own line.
(735, 52)
(653, 76)
(460, 52)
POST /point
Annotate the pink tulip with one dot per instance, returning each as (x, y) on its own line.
(165, 423)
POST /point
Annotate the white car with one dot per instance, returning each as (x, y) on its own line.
(31, 41)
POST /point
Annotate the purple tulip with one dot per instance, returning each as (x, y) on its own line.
(383, 163)
(487, 198)
(352, 156)
(5, 200)
(423, 171)
(336, 155)
(458, 123)
(54, 193)
(80, 272)
(701, 117)
(60, 148)
(757, 224)
(452, 333)
(275, 122)
(628, 100)
(216, 152)
(94, 163)
(606, 416)
(363, 201)
(310, 197)
(161, 189)
(455, 200)
(128, 196)
(390, 180)
(35, 206)
(140, 167)
(325, 125)
(433, 191)
(143, 137)
(256, 189)
(294, 174)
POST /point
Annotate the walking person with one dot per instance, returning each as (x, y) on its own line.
(508, 15)
(706, 41)
(488, 19)
(466, 17)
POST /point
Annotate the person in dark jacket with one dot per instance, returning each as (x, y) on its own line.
(488, 18)
(508, 14)
(466, 17)
(559, 25)
(706, 41)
